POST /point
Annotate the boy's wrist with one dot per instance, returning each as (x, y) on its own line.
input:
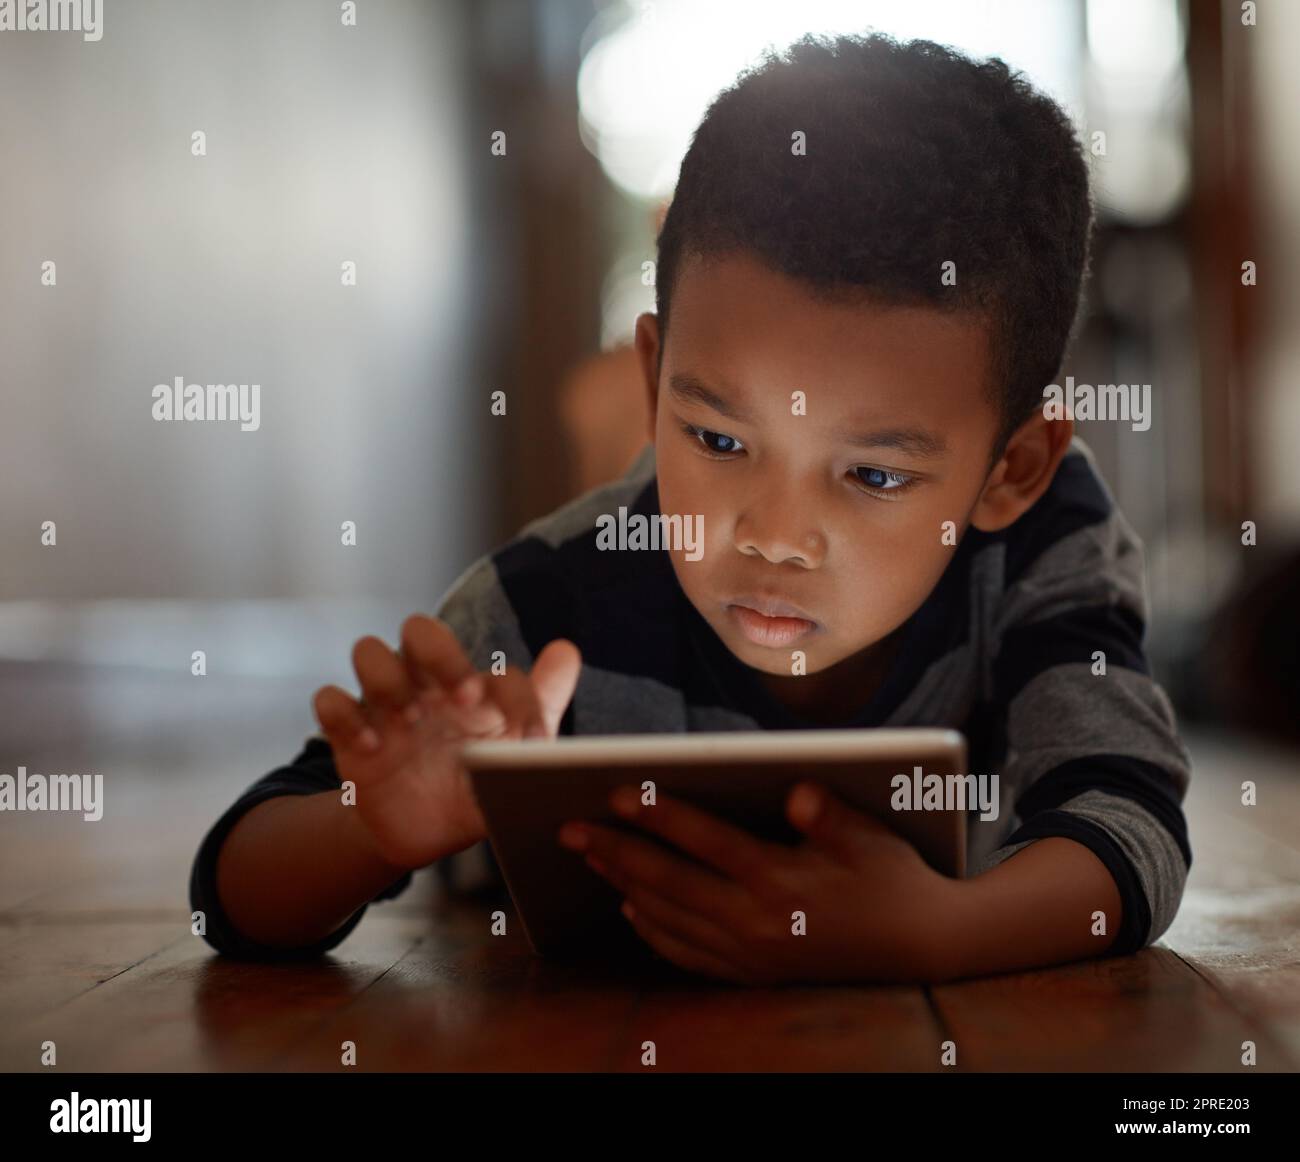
(941, 953)
(357, 832)
(1032, 910)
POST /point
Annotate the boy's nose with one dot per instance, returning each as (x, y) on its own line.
(780, 534)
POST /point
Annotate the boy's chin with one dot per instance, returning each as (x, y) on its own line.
(779, 662)
(776, 661)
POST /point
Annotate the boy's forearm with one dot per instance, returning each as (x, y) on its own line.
(295, 867)
(1033, 909)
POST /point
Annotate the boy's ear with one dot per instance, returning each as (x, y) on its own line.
(1022, 475)
(647, 352)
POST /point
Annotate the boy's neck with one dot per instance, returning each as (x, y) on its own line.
(838, 692)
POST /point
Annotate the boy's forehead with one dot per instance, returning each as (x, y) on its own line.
(744, 327)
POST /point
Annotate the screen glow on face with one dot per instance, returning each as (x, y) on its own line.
(833, 508)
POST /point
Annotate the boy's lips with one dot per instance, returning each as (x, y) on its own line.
(769, 621)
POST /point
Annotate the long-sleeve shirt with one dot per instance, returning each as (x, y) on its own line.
(1031, 644)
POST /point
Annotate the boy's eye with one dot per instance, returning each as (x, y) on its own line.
(881, 480)
(717, 442)
(714, 441)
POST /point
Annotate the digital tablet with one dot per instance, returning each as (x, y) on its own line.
(528, 789)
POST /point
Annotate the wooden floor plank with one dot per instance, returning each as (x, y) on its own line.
(45, 965)
(466, 1001)
(706, 1027)
(185, 1008)
(1222, 762)
(1145, 1013)
(1239, 925)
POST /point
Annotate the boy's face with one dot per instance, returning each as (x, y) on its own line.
(823, 520)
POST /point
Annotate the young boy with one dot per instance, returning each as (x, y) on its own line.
(867, 276)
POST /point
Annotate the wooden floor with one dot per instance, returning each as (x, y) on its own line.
(96, 955)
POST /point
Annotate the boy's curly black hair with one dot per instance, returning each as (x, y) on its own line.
(915, 156)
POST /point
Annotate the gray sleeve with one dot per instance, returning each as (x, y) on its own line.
(480, 615)
(1092, 746)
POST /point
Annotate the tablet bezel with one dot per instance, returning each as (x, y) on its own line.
(721, 746)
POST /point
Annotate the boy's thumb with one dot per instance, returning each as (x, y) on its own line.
(555, 676)
(825, 819)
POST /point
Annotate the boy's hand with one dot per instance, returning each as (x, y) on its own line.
(874, 910)
(400, 744)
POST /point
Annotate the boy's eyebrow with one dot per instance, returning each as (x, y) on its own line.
(688, 389)
(913, 441)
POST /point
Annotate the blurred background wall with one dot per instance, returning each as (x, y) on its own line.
(325, 144)
(523, 272)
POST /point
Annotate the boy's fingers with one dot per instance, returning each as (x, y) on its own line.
(714, 842)
(384, 681)
(830, 822)
(554, 676)
(432, 654)
(513, 693)
(680, 952)
(342, 720)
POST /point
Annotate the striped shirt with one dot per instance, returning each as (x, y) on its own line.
(1030, 644)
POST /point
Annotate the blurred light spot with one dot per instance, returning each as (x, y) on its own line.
(654, 66)
(1137, 39)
